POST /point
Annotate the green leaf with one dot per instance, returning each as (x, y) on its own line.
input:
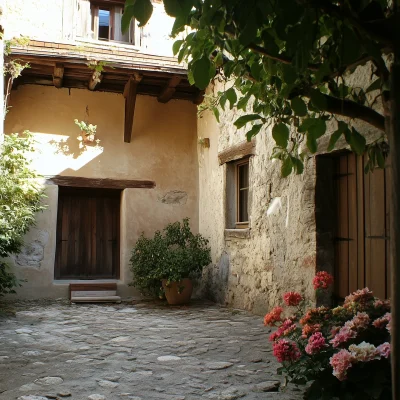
(201, 72)
(216, 113)
(222, 100)
(190, 77)
(177, 8)
(342, 126)
(357, 142)
(129, 13)
(141, 10)
(289, 74)
(243, 120)
(176, 46)
(298, 165)
(287, 166)
(380, 159)
(318, 99)
(299, 106)
(253, 131)
(249, 33)
(231, 96)
(311, 143)
(280, 133)
(242, 103)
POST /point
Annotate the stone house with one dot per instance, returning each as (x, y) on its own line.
(158, 162)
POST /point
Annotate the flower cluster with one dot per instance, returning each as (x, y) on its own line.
(287, 327)
(292, 298)
(316, 343)
(273, 316)
(322, 280)
(285, 350)
(345, 341)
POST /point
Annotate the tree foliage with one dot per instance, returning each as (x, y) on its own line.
(20, 200)
(289, 61)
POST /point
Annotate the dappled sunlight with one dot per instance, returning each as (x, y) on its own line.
(57, 153)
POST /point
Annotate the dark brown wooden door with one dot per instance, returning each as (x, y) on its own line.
(87, 234)
(362, 228)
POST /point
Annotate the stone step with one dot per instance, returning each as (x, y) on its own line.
(95, 299)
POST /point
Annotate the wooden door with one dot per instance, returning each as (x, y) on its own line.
(87, 234)
(362, 239)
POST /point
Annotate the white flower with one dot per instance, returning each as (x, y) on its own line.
(364, 352)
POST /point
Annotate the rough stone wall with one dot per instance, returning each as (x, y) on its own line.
(279, 252)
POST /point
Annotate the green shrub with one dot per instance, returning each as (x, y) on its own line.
(20, 200)
(174, 254)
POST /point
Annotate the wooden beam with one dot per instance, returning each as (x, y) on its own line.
(95, 79)
(58, 75)
(241, 150)
(130, 92)
(100, 183)
(169, 89)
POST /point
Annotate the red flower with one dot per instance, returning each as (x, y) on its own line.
(273, 316)
(284, 350)
(322, 280)
(292, 298)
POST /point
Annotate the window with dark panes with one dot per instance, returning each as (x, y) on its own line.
(242, 196)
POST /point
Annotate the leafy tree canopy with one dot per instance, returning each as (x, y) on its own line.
(288, 61)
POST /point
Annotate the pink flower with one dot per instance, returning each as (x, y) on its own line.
(361, 296)
(322, 280)
(383, 304)
(316, 343)
(382, 322)
(384, 350)
(286, 327)
(292, 298)
(340, 363)
(361, 320)
(273, 316)
(284, 350)
(364, 352)
(345, 334)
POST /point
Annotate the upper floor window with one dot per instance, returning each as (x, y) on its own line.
(242, 194)
(101, 20)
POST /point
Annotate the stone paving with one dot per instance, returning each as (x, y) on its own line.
(139, 351)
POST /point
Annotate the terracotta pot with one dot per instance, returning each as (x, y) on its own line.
(89, 138)
(178, 292)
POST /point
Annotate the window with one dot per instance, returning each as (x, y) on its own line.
(242, 195)
(237, 194)
(101, 20)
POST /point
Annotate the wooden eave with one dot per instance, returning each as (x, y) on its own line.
(126, 70)
(66, 65)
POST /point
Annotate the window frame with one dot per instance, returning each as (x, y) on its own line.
(133, 34)
(241, 224)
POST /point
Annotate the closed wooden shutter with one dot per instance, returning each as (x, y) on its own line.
(361, 242)
(83, 20)
(87, 234)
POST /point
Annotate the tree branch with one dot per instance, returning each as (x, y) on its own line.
(351, 109)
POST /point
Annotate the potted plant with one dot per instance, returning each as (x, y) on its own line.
(88, 132)
(171, 259)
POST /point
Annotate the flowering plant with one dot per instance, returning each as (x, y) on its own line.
(342, 352)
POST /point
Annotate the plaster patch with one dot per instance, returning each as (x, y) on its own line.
(175, 197)
(32, 254)
(275, 206)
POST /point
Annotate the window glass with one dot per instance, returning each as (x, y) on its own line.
(104, 24)
(243, 192)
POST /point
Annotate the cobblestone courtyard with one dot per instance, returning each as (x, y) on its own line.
(141, 351)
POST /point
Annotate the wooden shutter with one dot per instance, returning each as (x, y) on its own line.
(84, 20)
(361, 242)
(118, 35)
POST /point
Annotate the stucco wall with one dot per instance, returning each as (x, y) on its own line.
(163, 149)
(56, 20)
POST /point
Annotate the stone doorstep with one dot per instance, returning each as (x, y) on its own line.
(96, 299)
